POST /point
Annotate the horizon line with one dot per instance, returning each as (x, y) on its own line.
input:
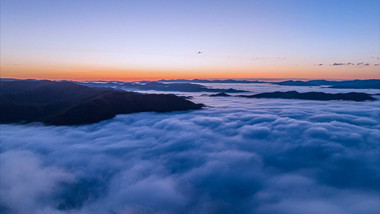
(187, 79)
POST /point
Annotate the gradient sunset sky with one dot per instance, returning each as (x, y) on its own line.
(134, 40)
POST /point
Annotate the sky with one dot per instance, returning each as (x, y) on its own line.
(146, 39)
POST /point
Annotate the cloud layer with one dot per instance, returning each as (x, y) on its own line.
(236, 156)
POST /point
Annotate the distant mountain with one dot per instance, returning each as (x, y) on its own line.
(356, 84)
(352, 96)
(67, 103)
(211, 81)
(183, 85)
(296, 83)
(221, 94)
(158, 86)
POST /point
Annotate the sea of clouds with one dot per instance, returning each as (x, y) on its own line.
(238, 155)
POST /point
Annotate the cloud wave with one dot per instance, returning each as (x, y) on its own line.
(237, 156)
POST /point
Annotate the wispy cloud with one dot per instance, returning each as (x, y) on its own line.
(350, 64)
(338, 64)
(362, 64)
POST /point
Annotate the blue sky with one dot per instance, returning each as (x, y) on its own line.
(252, 38)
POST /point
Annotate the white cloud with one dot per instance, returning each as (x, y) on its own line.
(237, 156)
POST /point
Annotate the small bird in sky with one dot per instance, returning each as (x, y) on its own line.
(199, 52)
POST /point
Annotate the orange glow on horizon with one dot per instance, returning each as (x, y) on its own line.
(83, 73)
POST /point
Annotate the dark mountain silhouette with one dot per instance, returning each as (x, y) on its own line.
(158, 86)
(187, 97)
(353, 96)
(221, 94)
(67, 103)
(183, 87)
(211, 81)
(295, 83)
(189, 86)
(356, 84)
